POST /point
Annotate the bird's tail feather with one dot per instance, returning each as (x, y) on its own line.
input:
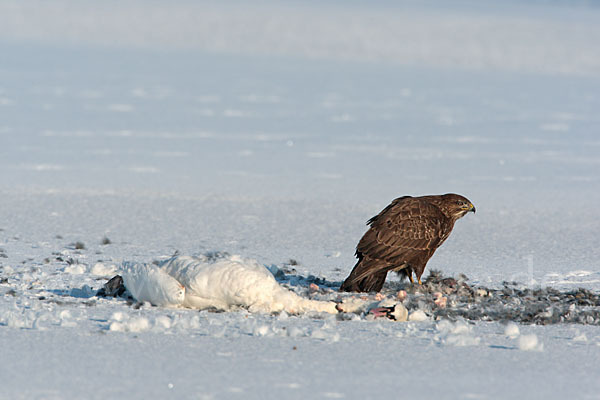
(366, 276)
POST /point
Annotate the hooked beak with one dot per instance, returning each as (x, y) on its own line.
(468, 208)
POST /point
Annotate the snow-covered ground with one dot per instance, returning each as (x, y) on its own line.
(274, 131)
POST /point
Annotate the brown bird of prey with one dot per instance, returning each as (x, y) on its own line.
(403, 237)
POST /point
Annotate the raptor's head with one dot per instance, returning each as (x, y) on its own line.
(455, 205)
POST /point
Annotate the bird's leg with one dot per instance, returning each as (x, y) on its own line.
(418, 275)
(410, 278)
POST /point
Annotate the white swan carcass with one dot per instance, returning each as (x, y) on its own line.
(225, 284)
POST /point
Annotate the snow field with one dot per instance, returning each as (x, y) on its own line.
(275, 131)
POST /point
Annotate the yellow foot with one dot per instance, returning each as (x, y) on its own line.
(419, 279)
(410, 278)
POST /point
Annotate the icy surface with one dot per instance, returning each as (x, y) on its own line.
(131, 130)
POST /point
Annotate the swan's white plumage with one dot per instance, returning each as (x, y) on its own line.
(225, 283)
(147, 282)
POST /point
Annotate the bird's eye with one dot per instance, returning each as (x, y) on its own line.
(460, 202)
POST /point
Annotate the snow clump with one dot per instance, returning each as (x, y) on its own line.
(530, 343)
(511, 330)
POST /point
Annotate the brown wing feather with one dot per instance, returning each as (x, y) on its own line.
(411, 224)
(407, 232)
(366, 276)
